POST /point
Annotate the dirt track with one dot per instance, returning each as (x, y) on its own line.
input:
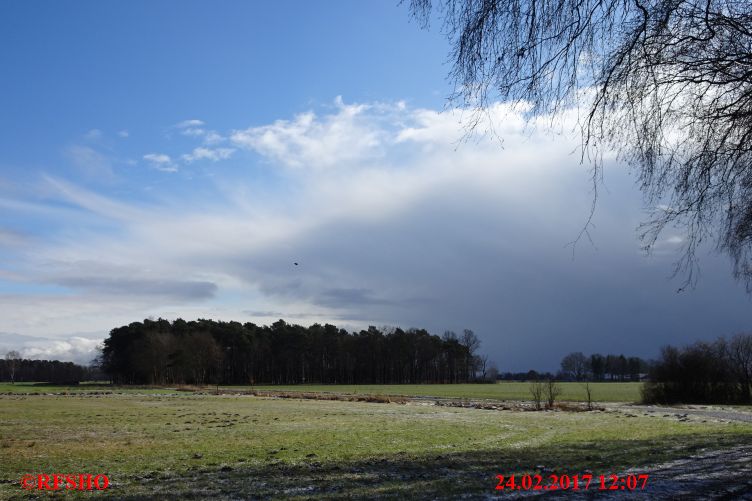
(695, 411)
(711, 475)
(723, 474)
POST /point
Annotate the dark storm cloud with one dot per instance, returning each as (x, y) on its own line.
(424, 234)
(477, 261)
(346, 298)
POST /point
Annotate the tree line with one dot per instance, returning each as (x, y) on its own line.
(15, 369)
(207, 351)
(719, 372)
(579, 367)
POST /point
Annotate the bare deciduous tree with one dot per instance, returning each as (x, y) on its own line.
(536, 391)
(589, 395)
(575, 365)
(480, 364)
(739, 353)
(553, 390)
(667, 84)
(12, 358)
(471, 343)
(493, 372)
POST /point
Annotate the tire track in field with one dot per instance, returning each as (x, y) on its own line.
(710, 475)
(707, 412)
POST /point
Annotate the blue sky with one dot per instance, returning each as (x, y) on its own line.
(175, 158)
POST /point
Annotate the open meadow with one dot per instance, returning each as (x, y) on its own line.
(504, 390)
(574, 392)
(229, 446)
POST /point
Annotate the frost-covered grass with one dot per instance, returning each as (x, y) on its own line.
(602, 392)
(232, 446)
(84, 387)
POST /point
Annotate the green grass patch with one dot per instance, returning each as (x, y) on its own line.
(242, 446)
(84, 387)
(573, 392)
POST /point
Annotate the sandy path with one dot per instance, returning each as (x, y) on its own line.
(711, 475)
(697, 411)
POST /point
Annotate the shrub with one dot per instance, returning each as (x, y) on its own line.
(536, 391)
(553, 391)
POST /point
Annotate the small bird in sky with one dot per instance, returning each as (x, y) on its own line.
(295, 264)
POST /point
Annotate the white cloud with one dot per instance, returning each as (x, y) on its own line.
(75, 349)
(161, 161)
(12, 238)
(189, 123)
(90, 162)
(93, 134)
(90, 201)
(195, 128)
(213, 137)
(430, 126)
(80, 348)
(343, 139)
(159, 158)
(192, 128)
(396, 221)
(214, 155)
(193, 131)
(123, 133)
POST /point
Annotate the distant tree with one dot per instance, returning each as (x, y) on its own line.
(598, 366)
(449, 336)
(575, 366)
(15, 369)
(553, 390)
(204, 351)
(153, 358)
(536, 391)
(12, 359)
(471, 343)
(634, 366)
(480, 364)
(589, 396)
(699, 373)
(669, 89)
(493, 372)
(611, 366)
(739, 352)
(456, 358)
(622, 368)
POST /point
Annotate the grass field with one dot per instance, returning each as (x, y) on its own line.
(239, 446)
(86, 387)
(602, 392)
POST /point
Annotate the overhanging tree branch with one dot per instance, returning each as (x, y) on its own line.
(671, 93)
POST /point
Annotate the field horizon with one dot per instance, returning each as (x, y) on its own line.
(195, 444)
(502, 390)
